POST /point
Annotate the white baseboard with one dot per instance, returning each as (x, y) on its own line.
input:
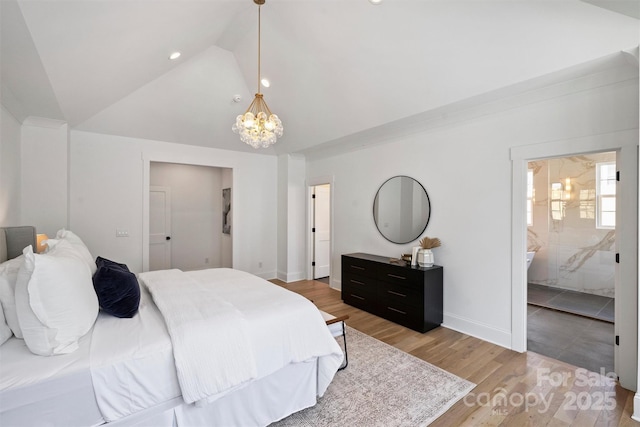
(636, 407)
(476, 329)
(290, 277)
(336, 284)
(266, 275)
(463, 325)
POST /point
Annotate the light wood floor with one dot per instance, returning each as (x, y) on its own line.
(556, 393)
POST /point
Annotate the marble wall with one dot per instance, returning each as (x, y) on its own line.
(571, 252)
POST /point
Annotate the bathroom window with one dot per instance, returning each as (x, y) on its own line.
(530, 194)
(606, 195)
(557, 203)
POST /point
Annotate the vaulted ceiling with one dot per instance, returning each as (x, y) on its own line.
(337, 67)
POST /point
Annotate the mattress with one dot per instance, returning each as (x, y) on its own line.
(46, 391)
(120, 357)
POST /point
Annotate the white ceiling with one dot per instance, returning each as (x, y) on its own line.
(337, 67)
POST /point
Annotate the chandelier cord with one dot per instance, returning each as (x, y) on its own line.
(259, 7)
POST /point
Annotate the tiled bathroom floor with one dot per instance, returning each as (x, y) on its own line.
(580, 341)
(594, 306)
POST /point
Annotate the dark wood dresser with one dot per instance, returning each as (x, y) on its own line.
(409, 296)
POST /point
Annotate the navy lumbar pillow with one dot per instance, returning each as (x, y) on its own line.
(117, 288)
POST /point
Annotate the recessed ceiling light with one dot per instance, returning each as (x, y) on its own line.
(376, 2)
(265, 82)
(174, 55)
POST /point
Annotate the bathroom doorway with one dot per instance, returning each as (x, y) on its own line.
(571, 259)
(625, 144)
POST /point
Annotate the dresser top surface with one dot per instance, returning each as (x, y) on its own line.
(387, 260)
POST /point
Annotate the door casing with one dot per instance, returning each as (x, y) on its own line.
(626, 324)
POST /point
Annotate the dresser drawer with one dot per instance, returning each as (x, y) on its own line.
(359, 267)
(407, 316)
(361, 300)
(361, 284)
(401, 276)
(403, 294)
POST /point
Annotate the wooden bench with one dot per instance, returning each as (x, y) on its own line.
(337, 328)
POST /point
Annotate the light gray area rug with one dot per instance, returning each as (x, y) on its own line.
(382, 386)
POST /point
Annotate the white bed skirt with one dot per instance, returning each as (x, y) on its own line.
(260, 403)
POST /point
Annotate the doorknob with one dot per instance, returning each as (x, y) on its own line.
(168, 238)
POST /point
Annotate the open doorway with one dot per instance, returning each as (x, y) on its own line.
(188, 226)
(321, 232)
(625, 144)
(571, 233)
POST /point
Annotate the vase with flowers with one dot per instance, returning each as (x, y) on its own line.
(425, 254)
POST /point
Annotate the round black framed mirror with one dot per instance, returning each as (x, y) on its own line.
(401, 209)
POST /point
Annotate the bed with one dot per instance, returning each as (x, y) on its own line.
(130, 371)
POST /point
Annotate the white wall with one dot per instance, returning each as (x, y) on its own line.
(283, 203)
(44, 171)
(291, 219)
(466, 170)
(296, 223)
(9, 169)
(196, 213)
(107, 180)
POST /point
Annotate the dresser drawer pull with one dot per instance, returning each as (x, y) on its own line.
(357, 296)
(397, 293)
(396, 310)
(356, 282)
(396, 277)
(357, 267)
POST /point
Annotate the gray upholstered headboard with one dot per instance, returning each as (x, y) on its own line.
(14, 239)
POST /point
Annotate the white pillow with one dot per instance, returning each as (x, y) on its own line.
(5, 332)
(55, 299)
(78, 244)
(8, 276)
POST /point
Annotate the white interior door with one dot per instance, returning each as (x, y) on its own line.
(159, 228)
(322, 235)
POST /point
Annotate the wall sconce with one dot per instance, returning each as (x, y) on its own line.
(40, 245)
(567, 189)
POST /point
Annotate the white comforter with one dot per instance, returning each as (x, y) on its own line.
(218, 317)
(199, 321)
(132, 365)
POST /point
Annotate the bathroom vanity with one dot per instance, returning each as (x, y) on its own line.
(408, 295)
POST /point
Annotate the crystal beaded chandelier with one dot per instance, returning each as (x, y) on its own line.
(258, 126)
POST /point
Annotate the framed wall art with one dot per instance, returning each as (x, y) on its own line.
(226, 210)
